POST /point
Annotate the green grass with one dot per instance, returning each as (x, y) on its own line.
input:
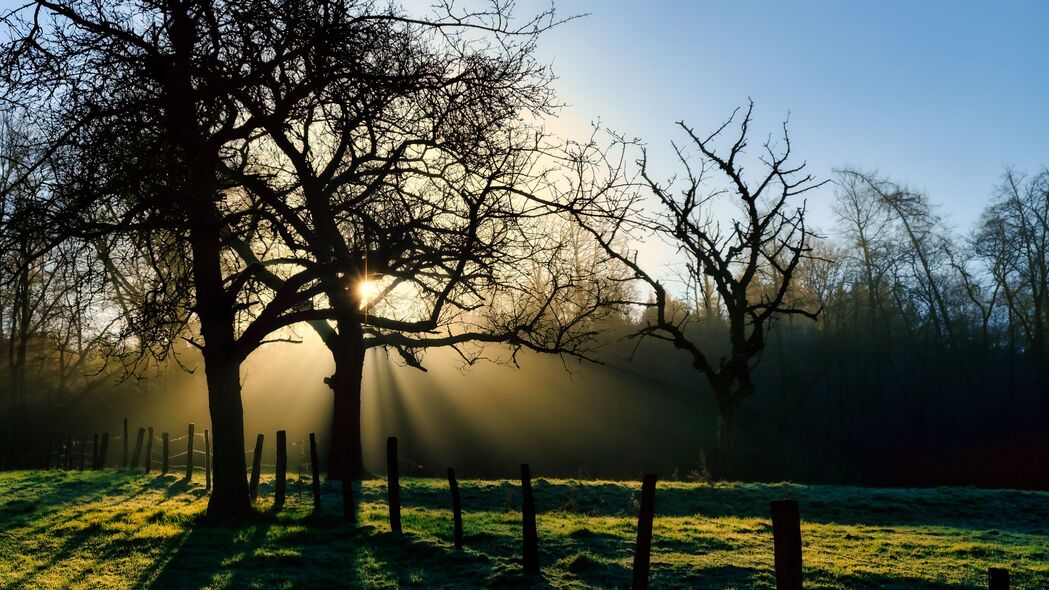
(113, 530)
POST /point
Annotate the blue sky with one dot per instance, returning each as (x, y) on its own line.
(940, 95)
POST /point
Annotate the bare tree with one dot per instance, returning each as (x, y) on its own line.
(169, 112)
(751, 257)
(139, 104)
(410, 204)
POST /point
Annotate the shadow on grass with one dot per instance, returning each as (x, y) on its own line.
(175, 486)
(712, 577)
(596, 572)
(67, 549)
(295, 549)
(278, 550)
(64, 499)
(510, 574)
(45, 493)
(969, 508)
(697, 545)
(882, 582)
(207, 555)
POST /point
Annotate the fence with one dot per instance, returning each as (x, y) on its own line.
(150, 452)
(166, 453)
(72, 454)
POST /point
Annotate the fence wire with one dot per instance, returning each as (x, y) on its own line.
(65, 453)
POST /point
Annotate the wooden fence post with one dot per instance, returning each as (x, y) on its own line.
(164, 439)
(282, 470)
(998, 578)
(83, 453)
(457, 508)
(786, 535)
(149, 450)
(138, 449)
(123, 464)
(189, 453)
(102, 450)
(94, 452)
(393, 484)
(316, 473)
(68, 463)
(530, 537)
(643, 550)
(256, 467)
(207, 459)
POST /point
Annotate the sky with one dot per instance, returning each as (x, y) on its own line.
(941, 96)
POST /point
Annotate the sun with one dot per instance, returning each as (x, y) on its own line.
(367, 292)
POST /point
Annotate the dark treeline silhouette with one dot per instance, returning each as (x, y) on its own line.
(927, 364)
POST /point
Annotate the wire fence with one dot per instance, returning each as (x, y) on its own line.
(161, 452)
(66, 454)
(142, 453)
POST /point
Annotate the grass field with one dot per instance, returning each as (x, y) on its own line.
(113, 530)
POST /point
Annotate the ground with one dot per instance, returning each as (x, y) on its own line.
(118, 530)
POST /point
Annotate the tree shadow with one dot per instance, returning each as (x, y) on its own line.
(511, 574)
(1017, 511)
(596, 572)
(47, 493)
(967, 508)
(67, 549)
(713, 577)
(320, 552)
(208, 554)
(821, 579)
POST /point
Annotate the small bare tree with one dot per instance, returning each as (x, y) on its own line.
(746, 236)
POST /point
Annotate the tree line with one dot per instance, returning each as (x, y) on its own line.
(926, 363)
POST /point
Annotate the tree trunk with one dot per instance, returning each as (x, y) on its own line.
(723, 444)
(17, 347)
(727, 405)
(347, 347)
(229, 497)
(194, 168)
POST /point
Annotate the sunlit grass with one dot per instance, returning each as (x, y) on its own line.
(112, 530)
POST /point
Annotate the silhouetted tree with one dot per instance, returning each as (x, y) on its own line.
(401, 135)
(752, 256)
(403, 185)
(140, 103)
